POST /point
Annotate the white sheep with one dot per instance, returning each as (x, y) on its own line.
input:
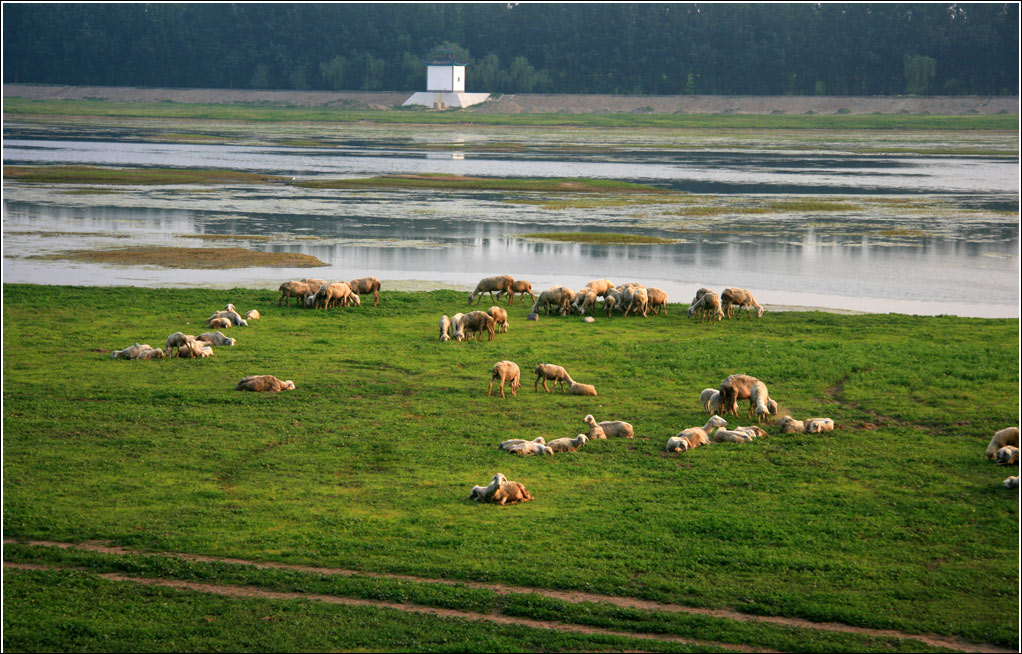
(585, 301)
(506, 371)
(577, 388)
(709, 305)
(1011, 482)
(557, 374)
(499, 316)
(511, 442)
(264, 383)
(637, 300)
(150, 354)
(568, 444)
(194, 350)
(732, 436)
(761, 404)
(294, 289)
(732, 297)
(559, 297)
(710, 399)
(219, 323)
(657, 299)
(596, 431)
(130, 352)
(600, 286)
(364, 285)
(216, 338)
(528, 448)
(617, 428)
(445, 327)
(791, 426)
(501, 284)
(696, 436)
(1007, 455)
(253, 315)
(176, 341)
(1007, 436)
(457, 329)
(818, 425)
(678, 444)
(484, 493)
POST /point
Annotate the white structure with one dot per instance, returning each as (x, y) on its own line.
(445, 85)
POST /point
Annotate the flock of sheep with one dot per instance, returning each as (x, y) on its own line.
(319, 293)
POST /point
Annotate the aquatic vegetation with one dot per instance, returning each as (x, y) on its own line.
(201, 258)
(598, 238)
(127, 176)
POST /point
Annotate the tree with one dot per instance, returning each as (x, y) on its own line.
(260, 77)
(332, 72)
(919, 72)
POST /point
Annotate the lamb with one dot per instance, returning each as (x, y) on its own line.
(457, 329)
(484, 493)
(131, 352)
(506, 371)
(709, 305)
(759, 400)
(1011, 482)
(617, 428)
(501, 284)
(511, 442)
(657, 299)
(216, 338)
(334, 292)
(499, 316)
(596, 431)
(696, 436)
(366, 285)
(734, 388)
(522, 288)
(600, 286)
(475, 322)
(294, 289)
(176, 341)
(557, 374)
(739, 297)
(568, 444)
(581, 389)
(150, 354)
(1007, 455)
(264, 383)
(445, 327)
(252, 315)
(511, 492)
(218, 323)
(1007, 436)
(556, 296)
(818, 425)
(529, 448)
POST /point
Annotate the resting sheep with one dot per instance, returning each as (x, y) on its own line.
(499, 316)
(506, 371)
(216, 338)
(484, 493)
(657, 299)
(150, 354)
(511, 442)
(445, 327)
(616, 428)
(252, 315)
(791, 426)
(818, 425)
(233, 316)
(218, 323)
(732, 436)
(554, 373)
(1007, 436)
(696, 436)
(501, 284)
(510, 492)
(529, 448)
(176, 341)
(568, 444)
(559, 297)
(475, 322)
(1007, 455)
(131, 352)
(596, 431)
(581, 389)
(709, 305)
(364, 285)
(194, 350)
(1011, 482)
(678, 444)
(521, 288)
(264, 383)
(732, 297)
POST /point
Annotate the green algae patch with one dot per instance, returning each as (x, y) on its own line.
(599, 238)
(95, 175)
(464, 183)
(200, 258)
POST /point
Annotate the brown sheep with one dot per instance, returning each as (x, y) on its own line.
(365, 285)
(294, 289)
(501, 284)
(253, 315)
(474, 322)
(556, 296)
(600, 286)
(657, 299)
(511, 492)
(216, 338)
(555, 373)
(485, 493)
(506, 371)
(1007, 436)
(499, 316)
(150, 354)
(734, 388)
(194, 350)
(176, 341)
(522, 288)
(264, 383)
(581, 389)
(732, 297)
(219, 323)
(131, 352)
(709, 305)
(336, 293)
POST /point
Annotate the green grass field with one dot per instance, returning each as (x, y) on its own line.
(895, 520)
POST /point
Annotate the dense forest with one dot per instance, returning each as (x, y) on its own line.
(747, 49)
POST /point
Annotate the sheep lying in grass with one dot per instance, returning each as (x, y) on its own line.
(150, 354)
(511, 492)
(253, 315)
(1011, 482)
(364, 285)
(176, 341)
(529, 448)
(232, 316)
(809, 426)
(506, 371)
(511, 442)
(617, 428)
(581, 389)
(445, 327)
(791, 426)
(264, 384)
(693, 437)
(1007, 455)
(596, 431)
(677, 444)
(130, 352)
(219, 323)
(739, 297)
(521, 288)
(194, 350)
(556, 374)
(1007, 436)
(736, 435)
(499, 316)
(216, 338)
(709, 305)
(475, 322)
(485, 493)
(568, 444)
(501, 284)
(818, 425)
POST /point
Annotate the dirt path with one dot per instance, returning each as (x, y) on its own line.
(574, 597)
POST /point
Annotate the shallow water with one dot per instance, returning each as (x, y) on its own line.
(942, 243)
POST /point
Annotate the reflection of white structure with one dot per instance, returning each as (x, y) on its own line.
(445, 85)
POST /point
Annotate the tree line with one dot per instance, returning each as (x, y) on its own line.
(657, 49)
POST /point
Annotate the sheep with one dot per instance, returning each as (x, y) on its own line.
(194, 350)
(218, 323)
(1011, 483)
(511, 442)
(522, 288)
(475, 322)
(150, 354)
(264, 383)
(501, 284)
(734, 388)
(600, 286)
(818, 425)
(529, 448)
(709, 304)
(739, 297)
(506, 371)
(233, 316)
(556, 374)
(755, 430)
(556, 296)
(636, 299)
(657, 299)
(706, 398)
(678, 444)
(760, 402)
(696, 436)
(791, 426)
(699, 294)
(252, 315)
(499, 316)
(568, 444)
(130, 352)
(584, 301)
(484, 493)
(353, 300)
(216, 338)
(612, 300)
(445, 327)
(732, 436)
(457, 329)
(367, 285)
(177, 340)
(596, 431)
(334, 292)
(581, 389)
(511, 492)
(1007, 436)
(294, 289)
(1007, 455)
(618, 428)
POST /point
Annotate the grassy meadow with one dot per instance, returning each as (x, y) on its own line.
(895, 520)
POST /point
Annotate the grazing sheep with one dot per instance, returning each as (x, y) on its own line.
(216, 338)
(559, 297)
(1007, 455)
(506, 371)
(791, 426)
(657, 299)
(612, 300)
(699, 294)
(445, 327)
(475, 322)
(556, 374)
(1011, 482)
(568, 444)
(600, 286)
(760, 402)
(253, 315)
(817, 425)
(176, 341)
(194, 350)
(150, 354)
(1007, 436)
(364, 285)
(618, 428)
(636, 299)
(697, 436)
(218, 323)
(709, 305)
(529, 448)
(294, 289)
(581, 389)
(732, 297)
(706, 398)
(130, 352)
(596, 431)
(522, 288)
(457, 329)
(511, 442)
(511, 492)
(499, 316)
(484, 493)
(336, 293)
(264, 383)
(733, 389)
(501, 284)
(585, 301)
